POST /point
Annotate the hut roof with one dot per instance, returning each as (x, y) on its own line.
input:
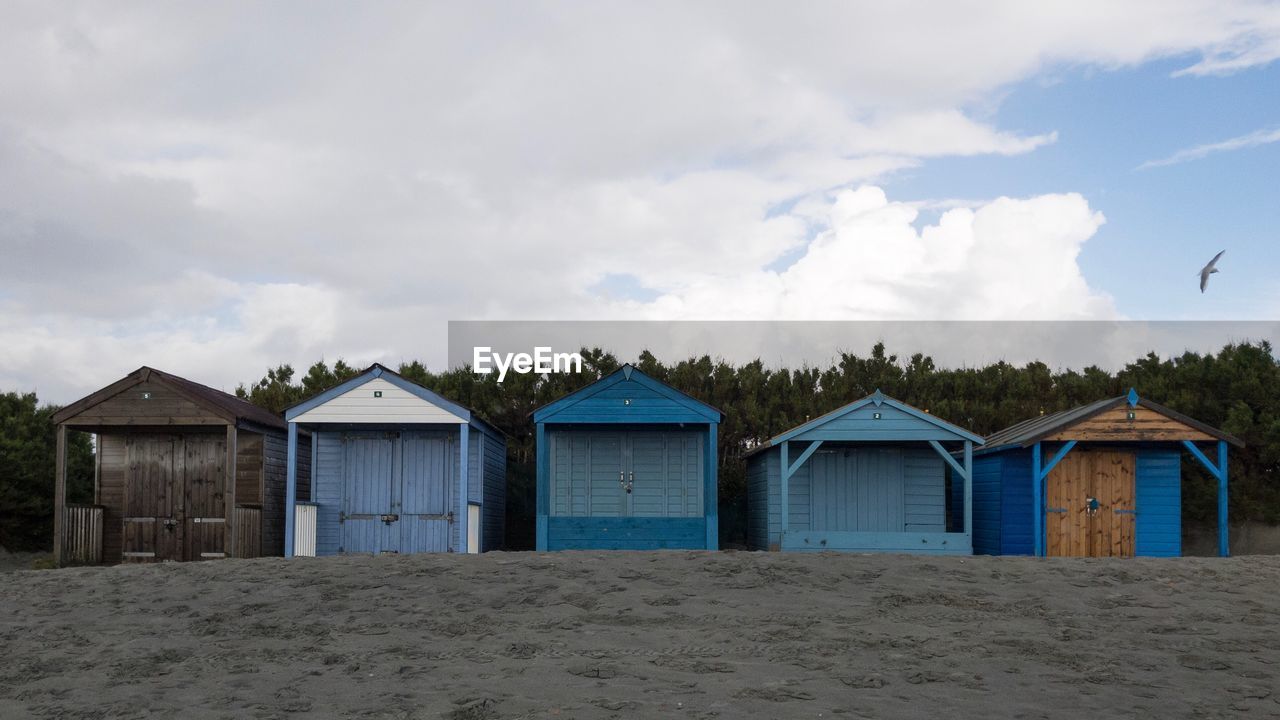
(1028, 432)
(218, 402)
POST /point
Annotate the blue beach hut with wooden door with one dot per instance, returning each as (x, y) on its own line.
(1099, 480)
(395, 468)
(626, 463)
(868, 477)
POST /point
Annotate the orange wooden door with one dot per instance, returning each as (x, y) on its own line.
(1089, 505)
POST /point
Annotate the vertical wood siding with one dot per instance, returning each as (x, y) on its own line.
(274, 469)
(758, 502)
(987, 473)
(1017, 529)
(494, 511)
(1159, 502)
(111, 474)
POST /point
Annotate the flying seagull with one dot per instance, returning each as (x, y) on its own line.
(1208, 270)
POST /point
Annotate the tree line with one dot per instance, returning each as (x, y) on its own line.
(1236, 389)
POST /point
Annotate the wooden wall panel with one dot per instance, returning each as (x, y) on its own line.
(1115, 425)
(249, 468)
(147, 404)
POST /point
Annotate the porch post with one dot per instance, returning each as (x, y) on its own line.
(1224, 541)
(59, 491)
(784, 521)
(464, 437)
(712, 510)
(291, 488)
(543, 482)
(1037, 500)
(968, 488)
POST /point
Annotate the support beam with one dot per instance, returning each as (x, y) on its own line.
(784, 519)
(59, 492)
(543, 482)
(1219, 471)
(712, 493)
(808, 452)
(960, 469)
(1037, 501)
(291, 488)
(968, 487)
(1062, 452)
(464, 474)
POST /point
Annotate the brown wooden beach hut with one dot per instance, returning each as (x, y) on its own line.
(182, 472)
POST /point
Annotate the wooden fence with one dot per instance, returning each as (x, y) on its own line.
(82, 534)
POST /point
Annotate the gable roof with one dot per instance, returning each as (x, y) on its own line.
(379, 371)
(229, 406)
(876, 398)
(628, 373)
(1028, 432)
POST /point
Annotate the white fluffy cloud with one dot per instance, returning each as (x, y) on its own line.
(214, 188)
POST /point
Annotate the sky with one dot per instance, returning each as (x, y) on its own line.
(217, 188)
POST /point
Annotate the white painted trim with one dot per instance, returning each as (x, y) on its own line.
(362, 405)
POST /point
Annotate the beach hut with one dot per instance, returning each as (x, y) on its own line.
(182, 472)
(396, 468)
(868, 477)
(1100, 480)
(626, 463)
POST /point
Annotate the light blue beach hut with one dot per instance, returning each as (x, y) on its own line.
(395, 468)
(868, 477)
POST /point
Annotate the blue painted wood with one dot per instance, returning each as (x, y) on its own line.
(1037, 499)
(900, 542)
(787, 472)
(711, 493)
(1224, 539)
(543, 483)
(1132, 397)
(627, 396)
(425, 491)
(968, 488)
(464, 477)
(1017, 534)
(808, 452)
(291, 489)
(1057, 458)
(625, 533)
(1158, 501)
(987, 501)
(858, 421)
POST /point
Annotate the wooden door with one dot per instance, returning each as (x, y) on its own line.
(605, 471)
(426, 490)
(152, 518)
(857, 490)
(368, 474)
(204, 482)
(1089, 505)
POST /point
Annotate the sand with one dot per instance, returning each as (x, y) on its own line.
(672, 634)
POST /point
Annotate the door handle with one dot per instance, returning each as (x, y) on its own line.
(631, 481)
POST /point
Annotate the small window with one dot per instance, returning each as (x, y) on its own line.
(377, 393)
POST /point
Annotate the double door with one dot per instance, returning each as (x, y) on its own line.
(174, 502)
(398, 492)
(1089, 505)
(627, 473)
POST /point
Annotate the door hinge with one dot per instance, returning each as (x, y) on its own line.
(342, 516)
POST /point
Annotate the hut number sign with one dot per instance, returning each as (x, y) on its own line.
(543, 361)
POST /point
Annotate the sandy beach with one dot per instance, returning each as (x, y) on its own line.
(610, 635)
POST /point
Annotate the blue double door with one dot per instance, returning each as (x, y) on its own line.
(627, 473)
(398, 492)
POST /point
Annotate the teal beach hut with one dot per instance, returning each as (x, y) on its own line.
(626, 463)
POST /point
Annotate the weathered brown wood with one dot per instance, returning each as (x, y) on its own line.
(152, 508)
(1109, 477)
(59, 491)
(249, 450)
(149, 402)
(229, 491)
(203, 483)
(1114, 425)
(248, 532)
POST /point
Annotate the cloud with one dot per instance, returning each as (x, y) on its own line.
(220, 187)
(1004, 260)
(1253, 139)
